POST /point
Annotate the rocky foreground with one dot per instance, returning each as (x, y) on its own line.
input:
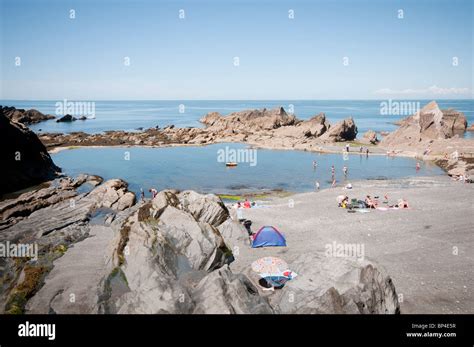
(100, 252)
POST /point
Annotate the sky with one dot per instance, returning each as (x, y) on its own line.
(236, 50)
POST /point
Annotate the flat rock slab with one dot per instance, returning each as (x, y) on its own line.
(75, 283)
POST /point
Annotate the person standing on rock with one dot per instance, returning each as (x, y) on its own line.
(153, 192)
(142, 194)
(347, 147)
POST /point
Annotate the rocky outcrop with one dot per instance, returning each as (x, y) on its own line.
(101, 253)
(345, 130)
(429, 123)
(14, 210)
(222, 292)
(55, 218)
(25, 116)
(266, 128)
(313, 127)
(249, 120)
(336, 285)
(24, 159)
(205, 208)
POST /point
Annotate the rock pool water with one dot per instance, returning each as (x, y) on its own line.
(199, 168)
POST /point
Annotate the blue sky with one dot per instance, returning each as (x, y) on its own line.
(279, 57)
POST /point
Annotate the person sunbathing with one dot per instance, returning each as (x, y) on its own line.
(402, 203)
(369, 202)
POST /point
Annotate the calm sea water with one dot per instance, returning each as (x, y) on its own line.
(198, 168)
(131, 115)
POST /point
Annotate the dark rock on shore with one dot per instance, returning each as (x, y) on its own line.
(66, 118)
(25, 116)
(24, 159)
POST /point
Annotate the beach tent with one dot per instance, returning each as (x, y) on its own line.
(268, 236)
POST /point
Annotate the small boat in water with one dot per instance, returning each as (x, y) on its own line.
(231, 164)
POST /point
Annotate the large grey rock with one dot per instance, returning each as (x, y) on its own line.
(222, 292)
(163, 199)
(113, 194)
(75, 283)
(336, 285)
(162, 256)
(205, 208)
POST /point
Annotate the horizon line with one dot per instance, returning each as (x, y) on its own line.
(305, 99)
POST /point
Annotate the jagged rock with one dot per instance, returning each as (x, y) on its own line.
(428, 123)
(336, 285)
(234, 234)
(317, 125)
(24, 159)
(113, 194)
(344, 130)
(205, 208)
(163, 199)
(66, 118)
(222, 292)
(249, 120)
(313, 127)
(200, 242)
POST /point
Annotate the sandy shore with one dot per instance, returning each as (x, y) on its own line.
(427, 249)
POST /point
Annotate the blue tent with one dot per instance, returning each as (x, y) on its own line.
(268, 236)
